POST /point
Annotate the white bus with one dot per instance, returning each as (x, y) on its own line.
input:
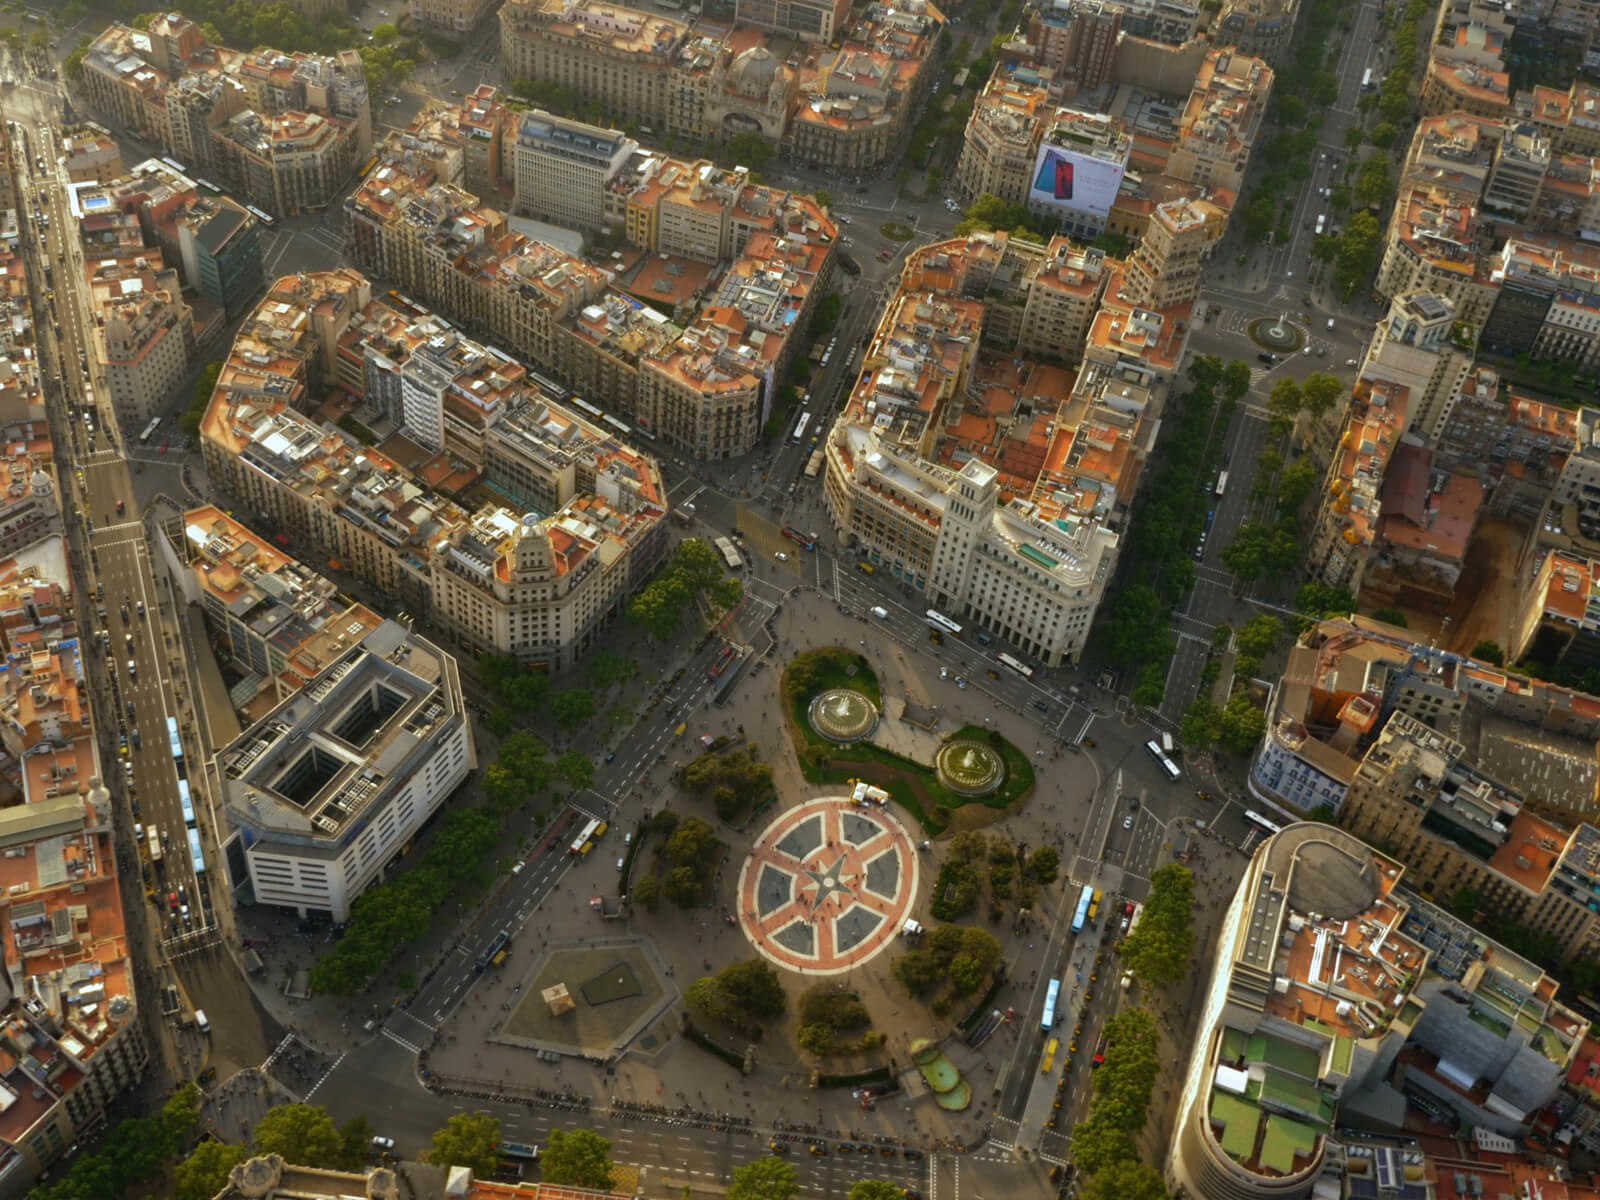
(1017, 665)
(1160, 755)
(1322, 223)
(799, 434)
(150, 429)
(944, 624)
(1366, 80)
(1222, 483)
(729, 554)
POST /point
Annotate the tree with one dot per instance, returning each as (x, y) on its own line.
(1202, 723)
(1353, 137)
(767, 1178)
(754, 987)
(302, 1133)
(576, 768)
(1383, 135)
(1295, 485)
(357, 1134)
(572, 708)
(1151, 687)
(1464, 904)
(647, 891)
(1285, 397)
(1489, 651)
(876, 1189)
(823, 197)
(1259, 633)
(1243, 723)
(683, 886)
(1321, 392)
(577, 1158)
(205, 1172)
(1098, 1146)
(1236, 379)
(467, 1140)
(1317, 599)
(1044, 864)
(1158, 950)
(750, 150)
(1125, 1180)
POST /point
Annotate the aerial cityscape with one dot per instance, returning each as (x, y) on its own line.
(786, 598)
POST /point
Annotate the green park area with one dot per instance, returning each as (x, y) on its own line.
(914, 785)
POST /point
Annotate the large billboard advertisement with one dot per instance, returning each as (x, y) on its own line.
(1069, 181)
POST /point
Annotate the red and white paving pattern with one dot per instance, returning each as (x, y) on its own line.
(827, 886)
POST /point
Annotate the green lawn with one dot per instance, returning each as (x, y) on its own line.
(914, 785)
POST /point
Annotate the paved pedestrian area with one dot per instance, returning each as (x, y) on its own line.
(827, 886)
(589, 999)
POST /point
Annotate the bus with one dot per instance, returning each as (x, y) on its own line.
(1322, 222)
(1222, 483)
(197, 860)
(1051, 995)
(944, 624)
(806, 541)
(261, 215)
(1165, 761)
(205, 185)
(1082, 913)
(730, 555)
(150, 429)
(1133, 921)
(584, 842)
(1261, 823)
(1017, 665)
(1049, 1060)
(624, 429)
(799, 434)
(494, 953)
(186, 803)
(172, 737)
(814, 464)
(1094, 905)
(522, 1150)
(175, 165)
(1366, 80)
(155, 844)
(724, 661)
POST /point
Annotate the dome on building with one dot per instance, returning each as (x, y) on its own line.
(751, 73)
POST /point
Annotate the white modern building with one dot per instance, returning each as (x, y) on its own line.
(326, 789)
(561, 169)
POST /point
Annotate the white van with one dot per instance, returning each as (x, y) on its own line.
(200, 1021)
(881, 613)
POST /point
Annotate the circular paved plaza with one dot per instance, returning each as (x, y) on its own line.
(827, 885)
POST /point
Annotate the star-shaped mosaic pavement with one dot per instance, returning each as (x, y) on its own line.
(827, 881)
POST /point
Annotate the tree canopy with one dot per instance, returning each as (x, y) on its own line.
(467, 1140)
(1158, 950)
(767, 1178)
(578, 1158)
(301, 1133)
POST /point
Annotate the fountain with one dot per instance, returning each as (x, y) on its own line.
(843, 716)
(1276, 335)
(970, 768)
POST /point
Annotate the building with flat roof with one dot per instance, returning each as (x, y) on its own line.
(994, 483)
(619, 57)
(1258, 27)
(144, 335)
(1457, 765)
(1307, 1000)
(812, 20)
(594, 508)
(71, 1039)
(327, 789)
(221, 253)
(562, 168)
(284, 130)
(1001, 142)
